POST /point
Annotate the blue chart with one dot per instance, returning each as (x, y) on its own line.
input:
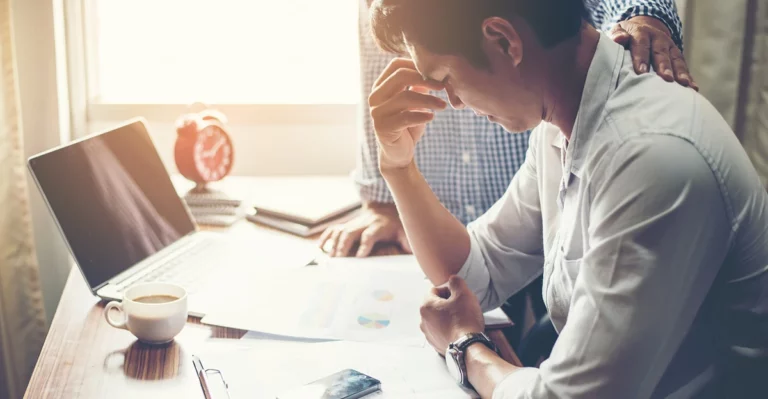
(374, 321)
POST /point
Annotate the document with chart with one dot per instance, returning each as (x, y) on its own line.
(355, 305)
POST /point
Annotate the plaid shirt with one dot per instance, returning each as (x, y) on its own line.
(468, 161)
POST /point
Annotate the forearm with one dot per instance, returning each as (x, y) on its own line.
(486, 369)
(439, 241)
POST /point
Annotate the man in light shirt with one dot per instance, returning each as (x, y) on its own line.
(469, 161)
(636, 202)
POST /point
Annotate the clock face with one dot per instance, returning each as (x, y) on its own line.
(213, 154)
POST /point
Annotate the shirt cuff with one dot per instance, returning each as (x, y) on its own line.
(517, 384)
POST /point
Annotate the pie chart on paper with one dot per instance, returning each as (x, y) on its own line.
(374, 321)
(383, 295)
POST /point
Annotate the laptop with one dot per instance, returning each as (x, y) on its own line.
(124, 223)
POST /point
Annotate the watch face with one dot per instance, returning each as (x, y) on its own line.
(453, 366)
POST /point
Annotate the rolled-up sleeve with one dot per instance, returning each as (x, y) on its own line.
(658, 234)
(506, 245)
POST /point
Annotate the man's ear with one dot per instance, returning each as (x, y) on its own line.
(500, 36)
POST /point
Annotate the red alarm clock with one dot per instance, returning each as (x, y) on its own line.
(204, 151)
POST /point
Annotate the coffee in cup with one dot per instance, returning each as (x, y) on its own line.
(154, 312)
(156, 299)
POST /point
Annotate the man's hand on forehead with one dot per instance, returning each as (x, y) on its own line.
(406, 71)
(401, 106)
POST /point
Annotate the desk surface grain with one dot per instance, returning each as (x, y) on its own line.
(84, 357)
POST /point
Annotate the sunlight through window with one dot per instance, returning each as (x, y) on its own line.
(224, 51)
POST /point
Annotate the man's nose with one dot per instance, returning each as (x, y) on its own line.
(454, 100)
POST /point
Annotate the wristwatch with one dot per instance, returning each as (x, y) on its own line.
(455, 356)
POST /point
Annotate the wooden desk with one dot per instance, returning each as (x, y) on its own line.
(83, 357)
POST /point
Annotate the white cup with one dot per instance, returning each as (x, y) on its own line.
(151, 323)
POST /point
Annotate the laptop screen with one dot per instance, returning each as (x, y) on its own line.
(113, 200)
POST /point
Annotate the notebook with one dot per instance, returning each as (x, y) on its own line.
(299, 229)
(306, 200)
(302, 205)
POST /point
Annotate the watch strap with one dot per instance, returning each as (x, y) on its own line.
(464, 342)
(458, 351)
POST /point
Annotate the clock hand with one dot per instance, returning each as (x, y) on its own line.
(214, 149)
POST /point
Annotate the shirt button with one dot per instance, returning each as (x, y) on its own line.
(466, 158)
(470, 210)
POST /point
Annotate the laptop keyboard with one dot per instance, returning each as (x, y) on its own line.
(187, 266)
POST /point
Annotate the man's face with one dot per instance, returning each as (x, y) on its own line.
(497, 92)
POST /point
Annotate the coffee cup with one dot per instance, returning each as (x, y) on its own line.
(154, 312)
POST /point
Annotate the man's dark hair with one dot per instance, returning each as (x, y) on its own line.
(454, 26)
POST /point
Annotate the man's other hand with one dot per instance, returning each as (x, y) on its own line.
(376, 223)
(449, 312)
(650, 43)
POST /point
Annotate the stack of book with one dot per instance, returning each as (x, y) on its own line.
(302, 205)
(214, 208)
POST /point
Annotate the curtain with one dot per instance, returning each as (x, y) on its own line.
(727, 50)
(22, 317)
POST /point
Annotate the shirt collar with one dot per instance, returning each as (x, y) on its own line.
(602, 78)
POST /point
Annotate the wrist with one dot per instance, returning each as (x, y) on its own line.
(398, 172)
(479, 353)
(486, 369)
(458, 333)
(379, 206)
(468, 356)
(388, 209)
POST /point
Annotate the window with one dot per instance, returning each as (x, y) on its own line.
(239, 52)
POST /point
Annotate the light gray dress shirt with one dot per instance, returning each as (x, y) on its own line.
(651, 229)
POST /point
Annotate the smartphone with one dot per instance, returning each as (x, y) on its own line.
(346, 384)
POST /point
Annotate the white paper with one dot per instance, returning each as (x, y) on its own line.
(369, 300)
(258, 335)
(398, 263)
(265, 368)
(496, 317)
(313, 303)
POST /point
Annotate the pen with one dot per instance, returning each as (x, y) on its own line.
(202, 376)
